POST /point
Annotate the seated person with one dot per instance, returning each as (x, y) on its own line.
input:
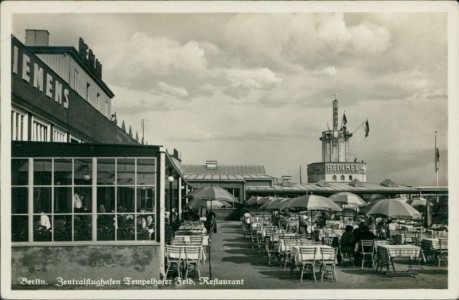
(247, 217)
(303, 225)
(365, 234)
(347, 240)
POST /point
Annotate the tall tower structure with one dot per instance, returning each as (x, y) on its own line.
(335, 143)
(336, 165)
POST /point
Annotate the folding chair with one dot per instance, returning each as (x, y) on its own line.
(271, 249)
(367, 250)
(383, 260)
(307, 261)
(196, 240)
(192, 259)
(260, 242)
(179, 240)
(245, 229)
(253, 238)
(174, 258)
(328, 260)
(287, 255)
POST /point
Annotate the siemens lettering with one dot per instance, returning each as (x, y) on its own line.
(35, 74)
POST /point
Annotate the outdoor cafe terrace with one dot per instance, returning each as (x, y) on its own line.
(298, 243)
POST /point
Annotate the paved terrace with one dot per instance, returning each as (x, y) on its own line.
(233, 258)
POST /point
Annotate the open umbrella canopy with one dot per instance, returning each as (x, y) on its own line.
(346, 198)
(259, 200)
(392, 208)
(253, 200)
(196, 203)
(311, 202)
(211, 193)
(268, 203)
(279, 204)
(417, 202)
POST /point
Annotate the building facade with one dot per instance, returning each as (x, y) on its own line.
(45, 107)
(86, 197)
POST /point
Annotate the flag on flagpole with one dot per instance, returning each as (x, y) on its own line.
(367, 128)
(437, 159)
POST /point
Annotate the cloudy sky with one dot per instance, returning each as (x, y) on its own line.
(257, 88)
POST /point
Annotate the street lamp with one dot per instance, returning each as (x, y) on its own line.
(171, 179)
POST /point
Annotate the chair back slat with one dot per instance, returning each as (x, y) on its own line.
(307, 253)
(328, 254)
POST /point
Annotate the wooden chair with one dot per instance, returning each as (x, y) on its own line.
(174, 259)
(253, 238)
(441, 254)
(287, 255)
(192, 260)
(304, 242)
(196, 240)
(307, 262)
(245, 229)
(367, 250)
(271, 249)
(328, 263)
(383, 260)
(261, 243)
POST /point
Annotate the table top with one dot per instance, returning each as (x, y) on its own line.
(400, 250)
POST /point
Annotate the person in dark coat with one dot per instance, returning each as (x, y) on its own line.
(364, 234)
(211, 222)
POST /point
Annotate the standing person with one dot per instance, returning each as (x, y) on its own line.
(211, 221)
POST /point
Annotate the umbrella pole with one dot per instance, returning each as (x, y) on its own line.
(210, 241)
(210, 260)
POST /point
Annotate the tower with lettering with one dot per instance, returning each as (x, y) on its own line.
(338, 165)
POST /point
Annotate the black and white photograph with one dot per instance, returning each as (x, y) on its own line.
(229, 150)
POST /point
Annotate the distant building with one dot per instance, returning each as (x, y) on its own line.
(336, 165)
(233, 178)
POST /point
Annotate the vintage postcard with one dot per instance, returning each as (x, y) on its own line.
(230, 150)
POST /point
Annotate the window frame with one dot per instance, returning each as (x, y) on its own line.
(94, 214)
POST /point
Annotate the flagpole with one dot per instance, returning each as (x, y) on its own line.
(436, 157)
(437, 162)
(360, 126)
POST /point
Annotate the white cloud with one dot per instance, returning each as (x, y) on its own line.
(262, 78)
(138, 61)
(327, 71)
(172, 90)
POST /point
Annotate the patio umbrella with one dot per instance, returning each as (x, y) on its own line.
(393, 208)
(259, 200)
(418, 202)
(279, 204)
(253, 200)
(195, 203)
(312, 202)
(212, 193)
(269, 203)
(346, 198)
